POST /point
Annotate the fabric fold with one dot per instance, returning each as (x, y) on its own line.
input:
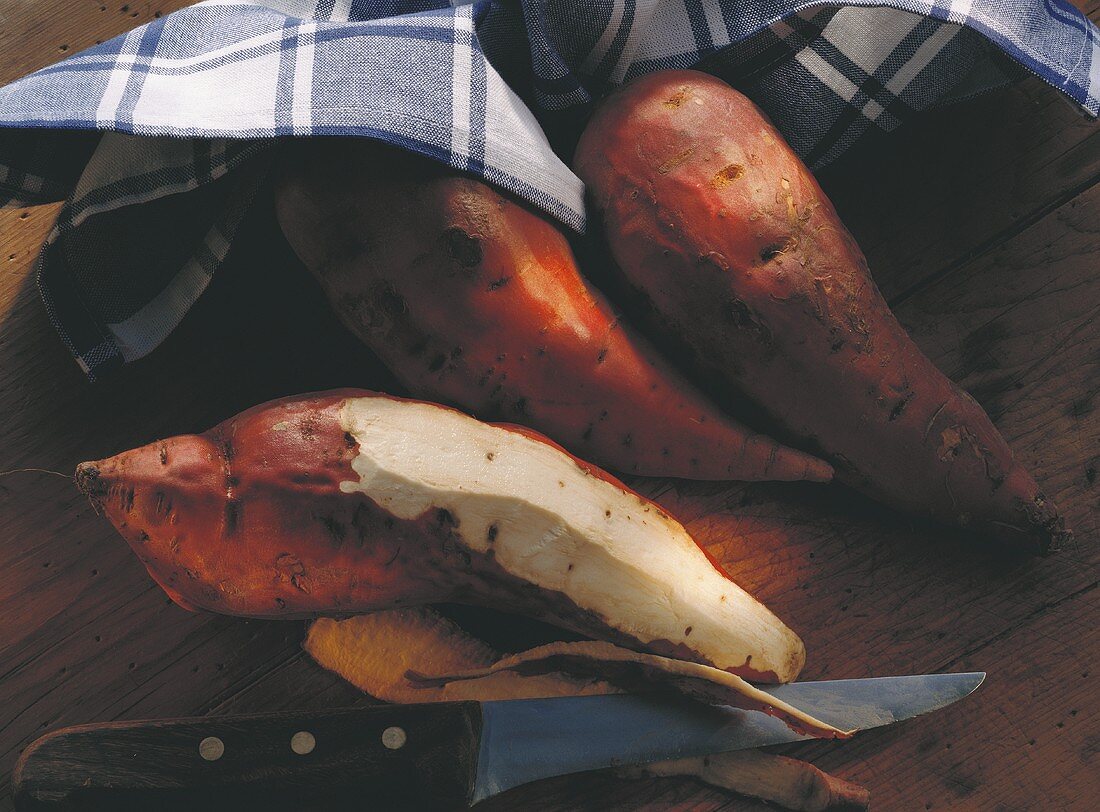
(153, 127)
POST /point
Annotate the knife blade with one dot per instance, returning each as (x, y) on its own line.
(430, 756)
(523, 741)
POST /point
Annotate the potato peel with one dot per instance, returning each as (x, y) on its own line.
(787, 782)
(637, 671)
(375, 652)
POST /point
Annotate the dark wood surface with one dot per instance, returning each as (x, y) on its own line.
(982, 225)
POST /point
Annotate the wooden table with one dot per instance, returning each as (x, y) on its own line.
(982, 224)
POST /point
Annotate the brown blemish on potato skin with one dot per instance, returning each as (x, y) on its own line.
(336, 529)
(900, 406)
(462, 247)
(676, 99)
(675, 161)
(233, 513)
(162, 506)
(726, 175)
(290, 568)
(745, 318)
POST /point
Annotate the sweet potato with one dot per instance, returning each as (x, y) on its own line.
(711, 216)
(348, 501)
(472, 299)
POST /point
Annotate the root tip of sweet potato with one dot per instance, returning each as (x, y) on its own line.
(1052, 533)
(819, 471)
(1044, 531)
(89, 481)
(847, 796)
(1056, 540)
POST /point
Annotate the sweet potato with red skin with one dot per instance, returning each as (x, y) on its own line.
(712, 217)
(472, 299)
(347, 502)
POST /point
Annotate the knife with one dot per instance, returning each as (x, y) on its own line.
(430, 756)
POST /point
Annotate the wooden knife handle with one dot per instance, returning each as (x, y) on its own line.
(386, 757)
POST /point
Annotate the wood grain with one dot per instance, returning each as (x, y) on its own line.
(34, 35)
(980, 221)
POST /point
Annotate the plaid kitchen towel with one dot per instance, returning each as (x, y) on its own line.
(159, 139)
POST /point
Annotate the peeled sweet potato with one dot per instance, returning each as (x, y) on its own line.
(711, 216)
(346, 502)
(474, 300)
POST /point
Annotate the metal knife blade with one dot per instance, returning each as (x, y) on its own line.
(525, 740)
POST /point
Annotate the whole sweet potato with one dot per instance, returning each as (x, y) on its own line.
(474, 300)
(711, 216)
(347, 502)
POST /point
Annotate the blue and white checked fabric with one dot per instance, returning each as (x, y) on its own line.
(159, 140)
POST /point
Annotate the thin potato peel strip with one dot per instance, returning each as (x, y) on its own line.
(633, 670)
(780, 780)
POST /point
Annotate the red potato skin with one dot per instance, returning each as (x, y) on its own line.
(474, 300)
(711, 216)
(248, 519)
